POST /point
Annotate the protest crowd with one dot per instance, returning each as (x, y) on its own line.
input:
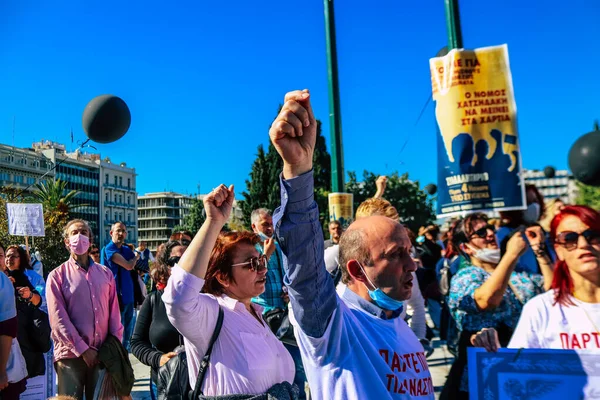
(279, 312)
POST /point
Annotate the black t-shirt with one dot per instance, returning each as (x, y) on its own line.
(154, 335)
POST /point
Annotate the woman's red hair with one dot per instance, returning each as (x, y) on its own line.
(562, 282)
(221, 259)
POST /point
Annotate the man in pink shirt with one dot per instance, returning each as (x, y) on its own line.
(83, 310)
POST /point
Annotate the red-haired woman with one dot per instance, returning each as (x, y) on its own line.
(567, 317)
(247, 358)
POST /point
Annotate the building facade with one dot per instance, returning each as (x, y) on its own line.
(81, 173)
(563, 186)
(21, 168)
(158, 214)
(118, 199)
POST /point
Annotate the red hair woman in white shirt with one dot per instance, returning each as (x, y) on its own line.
(568, 316)
(221, 273)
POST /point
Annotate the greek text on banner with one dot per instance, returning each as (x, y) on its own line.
(479, 160)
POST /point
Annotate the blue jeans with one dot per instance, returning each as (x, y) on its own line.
(153, 390)
(300, 377)
(128, 321)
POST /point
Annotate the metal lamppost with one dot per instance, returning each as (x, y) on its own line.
(340, 204)
(335, 119)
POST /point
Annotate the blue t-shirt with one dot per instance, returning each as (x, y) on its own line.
(123, 280)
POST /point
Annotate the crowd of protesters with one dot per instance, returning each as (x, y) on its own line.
(278, 312)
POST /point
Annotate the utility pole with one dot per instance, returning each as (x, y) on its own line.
(453, 25)
(335, 119)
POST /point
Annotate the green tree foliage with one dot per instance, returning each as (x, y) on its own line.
(57, 204)
(262, 187)
(588, 196)
(194, 220)
(410, 200)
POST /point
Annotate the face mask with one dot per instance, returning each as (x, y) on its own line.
(491, 256)
(79, 244)
(532, 214)
(263, 236)
(381, 299)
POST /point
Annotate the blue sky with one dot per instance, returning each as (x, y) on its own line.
(203, 79)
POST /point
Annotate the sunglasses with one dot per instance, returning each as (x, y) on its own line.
(483, 232)
(94, 252)
(570, 240)
(173, 260)
(255, 264)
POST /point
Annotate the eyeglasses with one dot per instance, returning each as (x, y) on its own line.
(483, 232)
(12, 256)
(94, 252)
(173, 260)
(255, 264)
(569, 240)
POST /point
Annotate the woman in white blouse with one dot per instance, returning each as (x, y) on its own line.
(246, 358)
(567, 317)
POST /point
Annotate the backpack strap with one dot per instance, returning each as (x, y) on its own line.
(205, 361)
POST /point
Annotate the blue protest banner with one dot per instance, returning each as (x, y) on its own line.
(541, 374)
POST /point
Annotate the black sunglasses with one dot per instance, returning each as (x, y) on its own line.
(94, 252)
(483, 232)
(255, 264)
(173, 260)
(569, 240)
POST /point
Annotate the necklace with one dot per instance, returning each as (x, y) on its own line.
(587, 315)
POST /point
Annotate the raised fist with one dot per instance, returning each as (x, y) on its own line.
(294, 132)
(218, 204)
(381, 184)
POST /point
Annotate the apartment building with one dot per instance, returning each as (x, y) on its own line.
(158, 214)
(81, 173)
(20, 168)
(563, 186)
(119, 198)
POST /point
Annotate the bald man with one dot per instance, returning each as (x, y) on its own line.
(353, 343)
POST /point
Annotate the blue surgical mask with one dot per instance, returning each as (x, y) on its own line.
(381, 299)
(263, 236)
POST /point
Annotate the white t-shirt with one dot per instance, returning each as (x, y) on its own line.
(544, 325)
(16, 369)
(362, 356)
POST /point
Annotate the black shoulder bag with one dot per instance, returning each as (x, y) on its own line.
(193, 395)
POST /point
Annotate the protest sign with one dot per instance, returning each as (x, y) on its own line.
(43, 386)
(479, 158)
(341, 208)
(534, 374)
(25, 219)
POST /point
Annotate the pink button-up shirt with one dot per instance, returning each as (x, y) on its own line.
(83, 308)
(246, 358)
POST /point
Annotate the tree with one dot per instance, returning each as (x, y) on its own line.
(52, 196)
(194, 220)
(51, 246)
(588, 196)
(413, 206)
(262, 188)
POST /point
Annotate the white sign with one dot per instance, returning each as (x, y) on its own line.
(25, 219)
(43, 386)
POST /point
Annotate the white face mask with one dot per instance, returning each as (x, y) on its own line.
(532, 214)
(491, 256)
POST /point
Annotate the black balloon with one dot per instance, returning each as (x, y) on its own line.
(549, 172)
(106, 119)
(584, 159)
(431, 189)
(443, 51)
